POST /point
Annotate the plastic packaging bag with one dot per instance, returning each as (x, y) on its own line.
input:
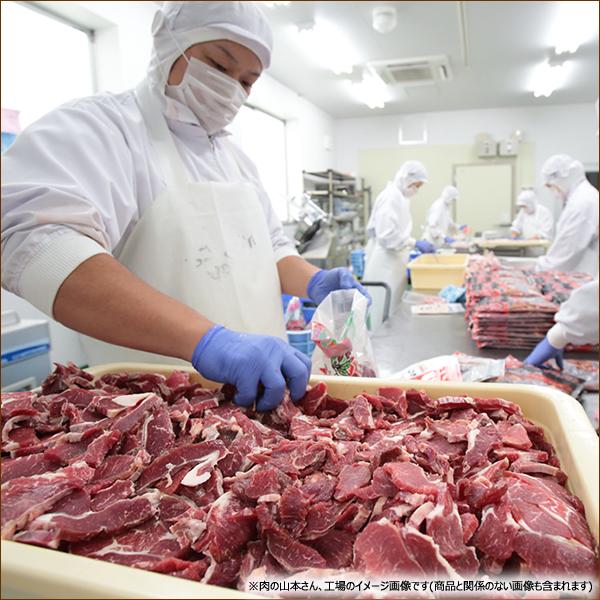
(339, 330)
(476, 368)
(440, 368)
(294, 317)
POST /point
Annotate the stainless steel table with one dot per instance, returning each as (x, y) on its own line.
(405, 339)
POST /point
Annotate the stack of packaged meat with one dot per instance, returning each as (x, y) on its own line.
(161, 474)
(512, 308)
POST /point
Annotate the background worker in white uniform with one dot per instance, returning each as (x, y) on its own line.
(534, 220)
(575, 245)
(389, 229)
(576, 323)
(439, 224)
(133, 218)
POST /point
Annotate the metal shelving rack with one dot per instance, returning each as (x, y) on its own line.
(346, 199)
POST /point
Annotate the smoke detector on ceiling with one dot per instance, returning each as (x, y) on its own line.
(384, 19)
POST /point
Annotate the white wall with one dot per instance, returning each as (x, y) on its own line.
(569, 129)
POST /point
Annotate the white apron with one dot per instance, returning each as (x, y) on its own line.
(204, 244)
(388, 266)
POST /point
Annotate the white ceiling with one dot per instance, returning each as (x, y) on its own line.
(506, 41)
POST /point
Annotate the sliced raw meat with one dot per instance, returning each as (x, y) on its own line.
(381, 550)
(25, 466)
(410, 477)
(118, 516)
(336, 547)
(25, 498)
(352, 478)
(164, 466)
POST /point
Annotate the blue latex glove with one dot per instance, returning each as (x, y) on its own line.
(425, 246)
(247, 360)
(322, 283)
(543, 352)
(448, 240)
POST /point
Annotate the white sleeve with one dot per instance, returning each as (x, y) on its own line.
(517, 225)
(68, 194)
(282, 245)
(575, 229)
(546, 224)
(577, 319)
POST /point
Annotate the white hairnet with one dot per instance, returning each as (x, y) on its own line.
(179, 25)
(410, 172)
(563, 171)
(527, 198)
(449, 193)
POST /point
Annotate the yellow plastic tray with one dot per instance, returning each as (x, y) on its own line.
(28, 571)
(432, 272)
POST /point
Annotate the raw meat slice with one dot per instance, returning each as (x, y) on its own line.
(118, 516)
(292, 555)
(398, 398)
(122, 488)
(25, 498)
(515, 435)
(293, 509)
(313, 399)
(25, 466)
(229, 527)
(497, 531)
(482, 438)
(336, 547)
(352, 477)
(164, 466)
(380, 550)
(362, 413)
(149, 542)
(548, 555)
(410, 477)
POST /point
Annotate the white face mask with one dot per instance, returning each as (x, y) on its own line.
(410, 191)
(214, 97)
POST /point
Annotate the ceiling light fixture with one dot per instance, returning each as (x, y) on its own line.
(547, 78)
(276, 3)
(384, 19)
(371, 90)
(576, 23)
(328, 46)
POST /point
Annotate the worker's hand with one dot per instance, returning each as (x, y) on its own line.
(425, 246)
(514, 234)
(322, 283)
(543, 352)
(449, 240)
(464, 228)
(247, 360)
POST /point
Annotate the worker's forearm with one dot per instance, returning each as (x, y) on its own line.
(104, 300)
(294, 275)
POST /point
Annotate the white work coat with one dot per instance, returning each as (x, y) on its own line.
(389, 230)
(577, 319)
(575, 245)
(439, 223)
(79, 181)
(540, 223)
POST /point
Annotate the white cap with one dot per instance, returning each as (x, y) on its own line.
(179, 25)
(449, 193)
(527, 198)
(564, 172)
(412, 171)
